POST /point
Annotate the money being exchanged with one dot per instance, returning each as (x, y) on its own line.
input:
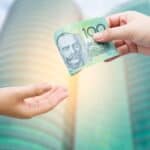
(77, 47)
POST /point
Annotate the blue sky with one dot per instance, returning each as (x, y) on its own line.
(4, 7)
(93, 8)
(89, 8)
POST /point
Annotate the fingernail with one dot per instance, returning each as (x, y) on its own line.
(98, 37)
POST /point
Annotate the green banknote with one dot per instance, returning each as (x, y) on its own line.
(77, 47)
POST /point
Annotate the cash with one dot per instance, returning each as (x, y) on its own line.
(77, 47)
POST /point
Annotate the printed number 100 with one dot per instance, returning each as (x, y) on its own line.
(93, 29)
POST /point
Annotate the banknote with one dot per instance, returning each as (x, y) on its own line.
(77, 47)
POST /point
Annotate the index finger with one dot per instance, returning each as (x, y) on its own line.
(116, 19)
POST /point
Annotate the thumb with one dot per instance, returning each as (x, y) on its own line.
(117, 33)
(33, 90)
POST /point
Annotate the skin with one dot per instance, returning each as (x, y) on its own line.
(30, 101)
(129, 31)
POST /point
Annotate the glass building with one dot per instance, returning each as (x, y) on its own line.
(28, 55)
(138, 85)
(119, 87)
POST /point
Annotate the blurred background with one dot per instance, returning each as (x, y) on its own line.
(109, 106)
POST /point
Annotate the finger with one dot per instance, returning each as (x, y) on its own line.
(143, 50)
(58, 95)
(132, 47)
(53, 99)
(123, 50)
(116, 20)
(54, 96)
(118, 43)
(33, 90)
(117, 33)
(46, 104)
(36, 99)
(122, 18)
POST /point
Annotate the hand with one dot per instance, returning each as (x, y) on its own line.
(129, 31)
(29, 101)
